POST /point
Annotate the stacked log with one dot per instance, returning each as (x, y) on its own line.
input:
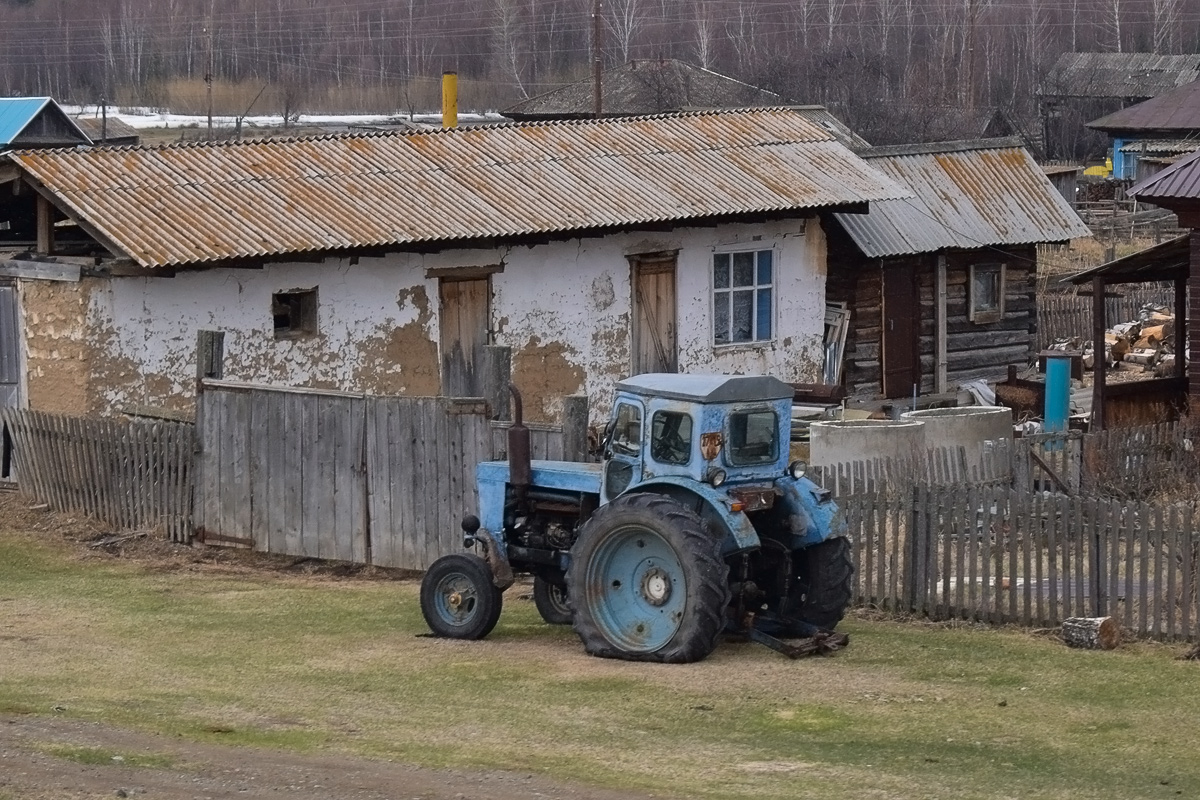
(1092, 633)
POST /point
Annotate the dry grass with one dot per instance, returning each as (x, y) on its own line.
(245, 649)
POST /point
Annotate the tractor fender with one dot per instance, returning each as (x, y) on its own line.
(712, 505)
(810, 513)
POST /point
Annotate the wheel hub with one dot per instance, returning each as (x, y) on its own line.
(656, 586)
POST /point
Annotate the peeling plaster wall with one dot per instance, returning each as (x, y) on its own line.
(564, 308)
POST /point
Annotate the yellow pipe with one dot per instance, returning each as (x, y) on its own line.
(449, 99)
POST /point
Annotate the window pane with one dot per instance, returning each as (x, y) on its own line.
(721, 271)
(752, 438)
(721, 318)
(627, 433)
(743, 269)
(743, 311)
(985, 291)
(764, 266)
(764, 314)
(671, 442)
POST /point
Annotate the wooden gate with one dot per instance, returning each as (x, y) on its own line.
(654, 346)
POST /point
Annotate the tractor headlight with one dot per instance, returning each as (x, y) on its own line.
(797, 469)
(716, 476)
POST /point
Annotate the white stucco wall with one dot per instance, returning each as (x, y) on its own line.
(563, 307)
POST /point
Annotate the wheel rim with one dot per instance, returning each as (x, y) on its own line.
(636, 589)
(456, 599)
(558, 599)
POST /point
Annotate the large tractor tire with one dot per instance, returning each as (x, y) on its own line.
(458, 598)
(551, 601)
(826, 579)
(647, 582)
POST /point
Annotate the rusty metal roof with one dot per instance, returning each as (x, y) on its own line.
(1180, 181)
(1176, 111)
(1166, 261)
(1118, 75)
(210, 202)
(968, 195)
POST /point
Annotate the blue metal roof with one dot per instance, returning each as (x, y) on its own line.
(16, 113)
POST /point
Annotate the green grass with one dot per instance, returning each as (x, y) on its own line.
(100, 755)
(270, 660)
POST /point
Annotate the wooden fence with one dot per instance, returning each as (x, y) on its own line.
(998, 555)
(1066, 315)
(133, 474)
(379, 480)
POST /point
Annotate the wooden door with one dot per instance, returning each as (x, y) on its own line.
(465, 314)
(654, 347)
(900, 354)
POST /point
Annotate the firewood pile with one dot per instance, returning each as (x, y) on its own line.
(1146, 344)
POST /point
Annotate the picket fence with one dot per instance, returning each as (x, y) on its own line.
(1066, 315)
(132, 474)
(1003, 556)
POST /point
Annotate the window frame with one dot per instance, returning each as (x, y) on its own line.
(690, 441)
(726, 294)
(304, 309)
(983, 316)
(728, 449)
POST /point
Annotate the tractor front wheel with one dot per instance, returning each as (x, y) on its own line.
(551, 601)
(458, 598)
(647, 582)
(826, 580)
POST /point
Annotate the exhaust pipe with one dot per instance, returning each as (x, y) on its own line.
(520, 465)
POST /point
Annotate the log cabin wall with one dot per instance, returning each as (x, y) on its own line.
(973, 350)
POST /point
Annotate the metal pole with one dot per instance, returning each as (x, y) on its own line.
(597, 56)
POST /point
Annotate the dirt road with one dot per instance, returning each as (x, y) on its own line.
(201, 771)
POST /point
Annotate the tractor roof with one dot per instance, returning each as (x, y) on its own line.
(708, 388)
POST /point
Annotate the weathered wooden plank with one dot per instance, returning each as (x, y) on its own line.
(1156, 589)
(1172, 560)
(287, 468)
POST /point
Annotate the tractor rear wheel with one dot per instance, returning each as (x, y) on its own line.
(458, 598)
(647, 582)
(826, 580)
(551, 601)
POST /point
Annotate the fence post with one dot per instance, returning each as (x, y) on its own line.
(497, 374)
(575, 427)
(916, 576)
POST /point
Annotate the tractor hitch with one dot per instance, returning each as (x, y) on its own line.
(822, 644)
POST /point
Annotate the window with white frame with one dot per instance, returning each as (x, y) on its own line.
(743, 296)
(986, 293)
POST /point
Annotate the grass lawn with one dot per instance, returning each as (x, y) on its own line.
(260, 658)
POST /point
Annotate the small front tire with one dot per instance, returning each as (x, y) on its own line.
(459, 599)
(551, 601)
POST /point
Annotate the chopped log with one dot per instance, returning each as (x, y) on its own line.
(1092, 633)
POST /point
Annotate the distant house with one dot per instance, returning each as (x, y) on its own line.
(110, 131)
(940, 286)
(922, 123)
(1084, 86)
(1163, 127)
(384, 263)
(37, 122)
(646, 86)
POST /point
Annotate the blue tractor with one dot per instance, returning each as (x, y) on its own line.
(694, 524)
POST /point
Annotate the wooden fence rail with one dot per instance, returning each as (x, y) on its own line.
(1002, 556)
(133, 474)
(1063, 315)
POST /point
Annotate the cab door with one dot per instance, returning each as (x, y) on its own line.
(622, 450)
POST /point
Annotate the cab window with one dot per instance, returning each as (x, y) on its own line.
(753, 437)
(671, 437)
(627, 430)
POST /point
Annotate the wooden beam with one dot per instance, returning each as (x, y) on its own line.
(40, 270)
(1099, 325)
(45, 226)
(1181, 325)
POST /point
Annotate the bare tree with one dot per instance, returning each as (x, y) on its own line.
(625, 21)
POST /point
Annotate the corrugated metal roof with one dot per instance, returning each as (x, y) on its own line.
(1118, 75)
(1168, 260)
(16, 113)
(1177, 110)
(1154, 146)
(968, 195)
(184, 204)
(1179, 181)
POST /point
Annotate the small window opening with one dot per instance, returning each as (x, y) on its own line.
(753, 438)
(986, 293)
(626, 437)
(295, 313)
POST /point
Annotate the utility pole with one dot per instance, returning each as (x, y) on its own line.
(208, 76)
(597, 56)
(969, 47)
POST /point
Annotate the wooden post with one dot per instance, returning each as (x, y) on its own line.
(916, 576)
(45, 226)
(575, 428)
(210, 356)
(1099, 362)
(495, 374)
(1181, 326)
